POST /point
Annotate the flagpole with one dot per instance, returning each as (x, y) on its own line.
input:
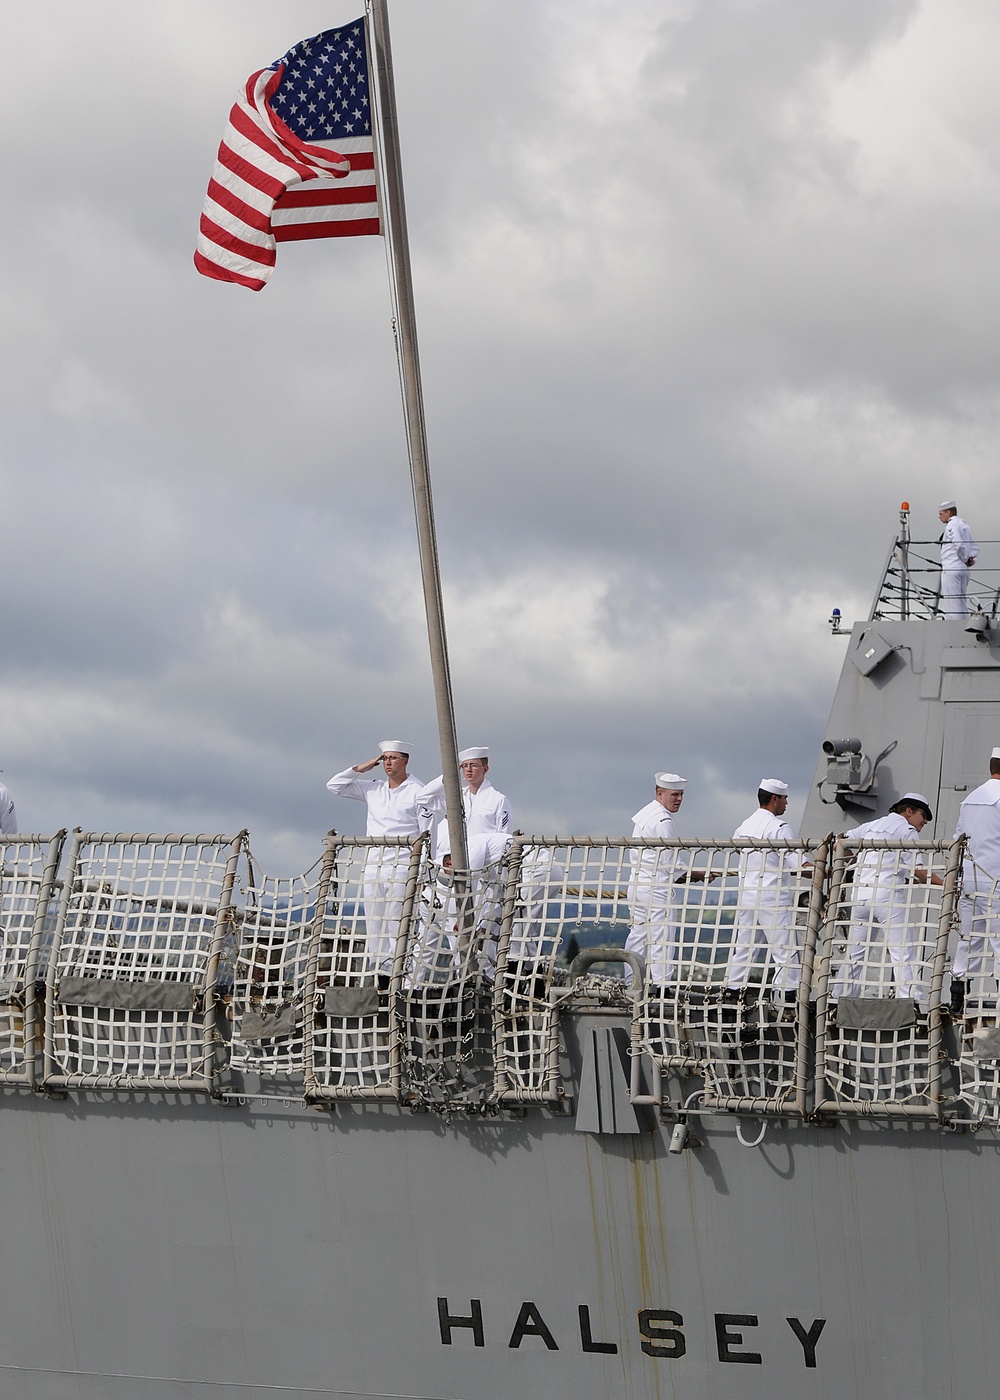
(405, 329)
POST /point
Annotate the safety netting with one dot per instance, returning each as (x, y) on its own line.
(275, 917)
(554, 892)
(352, 1046)
(884, 946)
(783, 976)
(131, 980)
(975, 973)
(27, 875)
(444, 1002)
(729, 999)
(725, 932)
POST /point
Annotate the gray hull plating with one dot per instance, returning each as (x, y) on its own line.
(159, 1249)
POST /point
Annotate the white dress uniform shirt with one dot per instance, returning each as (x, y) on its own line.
(767, 868)
(652, 895)
(880, 902)
(8, 817)
(887, 869)
(486, 811)
(957, 546)
(979, 820)
(391, 812)
(764, 912)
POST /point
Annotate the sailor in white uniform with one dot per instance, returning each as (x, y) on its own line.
(765, 911)
(486, 810)
(652, 892)
(8, 817)
(958, 554)
(881, 883)
(392, 811)
(979, 907)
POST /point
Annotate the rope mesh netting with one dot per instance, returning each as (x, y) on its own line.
(126, 982)
(542, 897)
(721, 931)
(27, 864)
(373, 975)
(351, 1047)
(274, 916)
(977, 965)
(885, 939)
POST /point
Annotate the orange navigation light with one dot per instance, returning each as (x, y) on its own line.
(904, 505)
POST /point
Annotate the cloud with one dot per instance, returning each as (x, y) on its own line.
(703, 293)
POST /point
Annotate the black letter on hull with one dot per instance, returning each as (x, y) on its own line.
(475, 1322)
(727, 1340)
(661, 1341)
(587, 1337)
(808, 1339)
(530, 1324)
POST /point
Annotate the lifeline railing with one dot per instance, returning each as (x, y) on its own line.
(789, 978)
(911, 581)
(28, 866)
(132, 971)
(880, 975)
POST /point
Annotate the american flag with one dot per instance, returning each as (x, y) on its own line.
(296, 160)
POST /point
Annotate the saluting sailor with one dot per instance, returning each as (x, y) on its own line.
(765, 912)
(392, 811)
(651, 888)
(959, 552)
(486, 810)
(979, 821)
(880, 899)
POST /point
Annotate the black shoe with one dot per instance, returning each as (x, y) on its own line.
(959, 991)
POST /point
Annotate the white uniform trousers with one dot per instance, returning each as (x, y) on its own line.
(954, 590)
(883, 909)
(765, 917)
(384, 886)
(655, 933)
(979, 910)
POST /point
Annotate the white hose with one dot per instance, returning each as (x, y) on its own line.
(757, 1140)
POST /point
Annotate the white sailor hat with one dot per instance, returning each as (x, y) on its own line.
(773, 785)
(995, 753)
(947, 505)
(468, 754)
(671, 782)
(916, 799)
(394, 746)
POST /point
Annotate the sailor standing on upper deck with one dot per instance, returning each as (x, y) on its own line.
(979, 907)
(392, 811)
(882, 879)
(765, 912)
(486, 810)
(959, 552)
(652, 892)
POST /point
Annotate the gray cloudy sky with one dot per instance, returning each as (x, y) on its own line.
(704, 290)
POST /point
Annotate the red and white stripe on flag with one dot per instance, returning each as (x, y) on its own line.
(270, 186)
(332, 208)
